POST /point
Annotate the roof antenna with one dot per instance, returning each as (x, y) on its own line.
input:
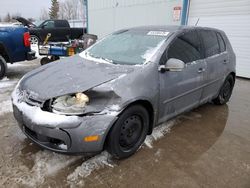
(197, 22)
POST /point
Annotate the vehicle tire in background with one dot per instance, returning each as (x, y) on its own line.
(225, 91)
(3, 67)
(34, 40)
(45, 60)
(54, 58)
(128, 132)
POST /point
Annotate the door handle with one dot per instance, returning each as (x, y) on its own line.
(201, 70)
(224, 61)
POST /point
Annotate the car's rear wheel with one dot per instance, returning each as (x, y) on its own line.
(128, 132)
(3, 67)
(34, 40)
(225, 91)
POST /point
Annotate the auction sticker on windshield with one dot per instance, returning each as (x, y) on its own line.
(158, 33)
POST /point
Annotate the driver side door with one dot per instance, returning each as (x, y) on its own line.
(182, 90)
(48, 27)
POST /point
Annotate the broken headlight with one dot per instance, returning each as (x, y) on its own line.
(70, 104)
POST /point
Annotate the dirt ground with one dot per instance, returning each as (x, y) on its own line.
(208, 147)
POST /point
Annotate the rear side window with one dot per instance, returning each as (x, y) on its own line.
(186, 48)
(221, 43)
(62, 23)
(211, 44)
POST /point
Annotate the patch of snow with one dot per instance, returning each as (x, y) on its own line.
(109, 112)
(87, 167)
(87, 56)
(36, 115)
(158, 133)
(5, 79)
(46, 163)
(115, 107)
(16, 65)
(36, 49)
(63, 146)
(5, 82)
(5, 107)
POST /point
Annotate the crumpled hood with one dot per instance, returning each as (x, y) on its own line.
(70, 75)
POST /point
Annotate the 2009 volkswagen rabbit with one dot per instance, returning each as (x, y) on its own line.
(113, 94)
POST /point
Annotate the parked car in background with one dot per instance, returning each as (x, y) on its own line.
(114, 93)
(14, 46)
(59, 29)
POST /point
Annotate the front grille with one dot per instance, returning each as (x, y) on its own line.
(45, 140)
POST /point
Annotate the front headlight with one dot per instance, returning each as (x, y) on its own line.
(70, 104)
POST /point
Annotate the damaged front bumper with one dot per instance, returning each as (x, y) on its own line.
(64, 134)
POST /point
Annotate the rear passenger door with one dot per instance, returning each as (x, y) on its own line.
(216, 58)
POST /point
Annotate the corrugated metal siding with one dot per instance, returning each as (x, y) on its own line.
(106, 16)
(231, 16)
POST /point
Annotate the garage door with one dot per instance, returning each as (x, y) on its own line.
(233, 17)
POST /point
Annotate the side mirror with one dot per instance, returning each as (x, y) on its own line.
(172, 65)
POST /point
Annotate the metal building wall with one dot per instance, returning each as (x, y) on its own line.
(233, 17)
(106, 16)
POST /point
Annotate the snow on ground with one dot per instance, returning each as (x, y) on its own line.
(87, 167)
(5, 107)
(6, 82)
(159, 132)
(46, 163)
(5, 104)
(36, 49)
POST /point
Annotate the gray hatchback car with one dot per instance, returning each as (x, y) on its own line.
(113, 94)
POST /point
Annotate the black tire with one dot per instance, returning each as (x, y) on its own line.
(128, 132)
(225, 91)
(54, 58)
(45, 60)
(3, 67)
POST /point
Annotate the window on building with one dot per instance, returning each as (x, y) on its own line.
(211, 44)
(186, 48)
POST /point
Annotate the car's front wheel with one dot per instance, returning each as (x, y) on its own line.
(128, 132)
(225, 91)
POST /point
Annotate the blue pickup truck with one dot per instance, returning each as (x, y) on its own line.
(14, 46)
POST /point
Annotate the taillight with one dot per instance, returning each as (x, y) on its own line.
(26, 39)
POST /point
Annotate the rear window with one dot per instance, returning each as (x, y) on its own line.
(186, 47)
(211, 44)
(221, 43)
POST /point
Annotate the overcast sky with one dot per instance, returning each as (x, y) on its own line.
(27, 8)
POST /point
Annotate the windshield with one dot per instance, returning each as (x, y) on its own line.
(128, 47)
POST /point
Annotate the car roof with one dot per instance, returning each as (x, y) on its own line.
(168, 28)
